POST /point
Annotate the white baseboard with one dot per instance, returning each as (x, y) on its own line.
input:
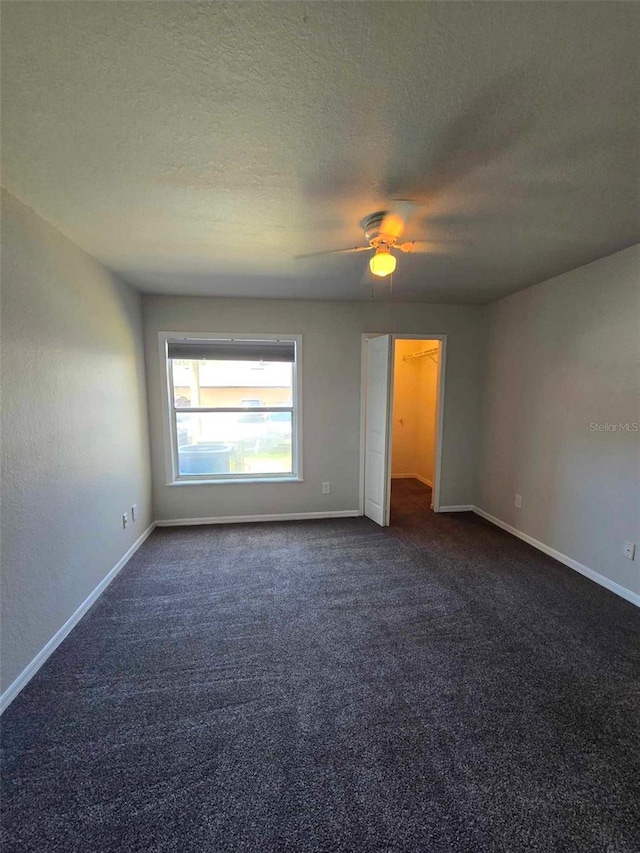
(458, 508)
(612, 586)
(30, 670)
(412, 477)
(239, 519)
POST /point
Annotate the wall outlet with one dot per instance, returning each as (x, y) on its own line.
(125, 520)
(326, 488)
(629, 550)
(134, 512)
(519, 501)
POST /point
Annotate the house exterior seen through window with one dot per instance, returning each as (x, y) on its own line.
(232, 408)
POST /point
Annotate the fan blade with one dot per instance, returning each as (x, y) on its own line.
(423, 247)
(334, 252)
(395, 220)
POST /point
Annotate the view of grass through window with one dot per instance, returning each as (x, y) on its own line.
(243, 418)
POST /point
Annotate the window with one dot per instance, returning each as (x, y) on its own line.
(232, 407)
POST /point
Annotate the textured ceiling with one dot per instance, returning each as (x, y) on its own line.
(197, 147)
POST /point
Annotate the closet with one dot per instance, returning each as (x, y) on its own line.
(414, 409)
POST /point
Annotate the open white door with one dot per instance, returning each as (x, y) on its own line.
(376, 443)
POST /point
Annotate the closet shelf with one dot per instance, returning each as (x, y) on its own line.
(425, 353)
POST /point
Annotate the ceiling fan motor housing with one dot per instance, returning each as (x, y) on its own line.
(371, 226)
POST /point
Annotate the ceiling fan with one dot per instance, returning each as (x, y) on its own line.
(383, 229)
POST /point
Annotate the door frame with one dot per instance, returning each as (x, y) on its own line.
(440, 400)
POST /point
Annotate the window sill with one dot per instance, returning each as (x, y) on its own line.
(235, 482)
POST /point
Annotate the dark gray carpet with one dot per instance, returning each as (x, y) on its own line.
(332, 686)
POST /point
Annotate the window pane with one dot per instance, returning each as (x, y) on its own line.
(227, 384)
(234, 442)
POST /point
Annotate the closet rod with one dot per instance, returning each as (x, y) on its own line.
(422, 354)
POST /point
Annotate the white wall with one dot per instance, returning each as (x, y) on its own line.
(74, 430)
(563, 355)
(331, 397)
(404, 444)
(427, 412)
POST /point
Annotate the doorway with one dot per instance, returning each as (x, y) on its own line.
(413, 424)
(401, 422)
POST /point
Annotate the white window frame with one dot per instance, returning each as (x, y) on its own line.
(173, 476)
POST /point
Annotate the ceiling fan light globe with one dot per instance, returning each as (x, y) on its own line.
(382, 263)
